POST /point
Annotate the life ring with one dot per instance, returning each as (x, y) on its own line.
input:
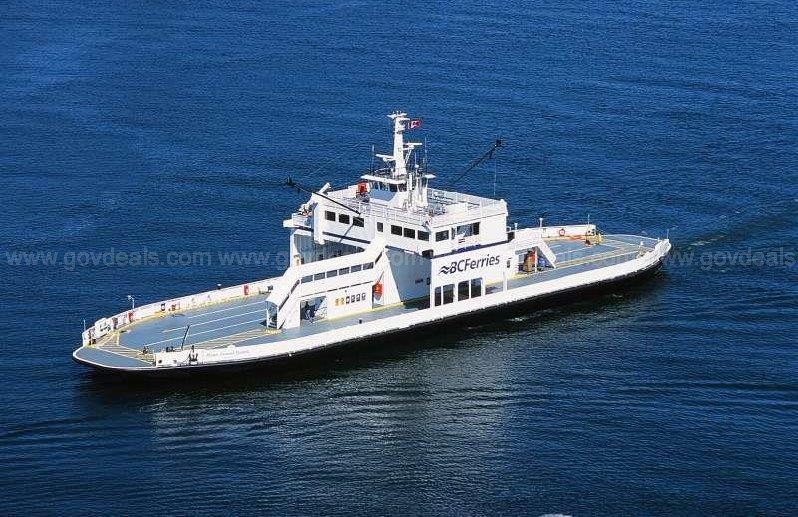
(246, 289)
(561, 232)
(377, 289)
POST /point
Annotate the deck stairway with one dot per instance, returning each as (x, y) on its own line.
(532, 238)
(283, 296)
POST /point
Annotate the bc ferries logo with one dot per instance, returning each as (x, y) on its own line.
(468, 263)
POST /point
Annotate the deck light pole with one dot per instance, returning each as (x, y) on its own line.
(132, 300)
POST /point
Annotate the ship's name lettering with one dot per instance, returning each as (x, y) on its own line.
(468, 263)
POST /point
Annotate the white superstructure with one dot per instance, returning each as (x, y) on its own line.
(385, 254)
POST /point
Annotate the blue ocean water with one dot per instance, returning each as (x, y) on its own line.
(167, 128)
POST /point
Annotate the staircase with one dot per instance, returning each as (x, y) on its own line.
(531, 237)
(283, 297)
(547, 253)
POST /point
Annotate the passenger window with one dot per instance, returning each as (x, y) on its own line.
(423, 236)
(379, 227)
(318, 276)
(441, 236)
(343, 271)
(396, 230)
(476, 287)
(357, 268)
(369, 265)
(410, 233)
(438, 299)
(448, 293)
(358, 221)
(332, 273)
(343, 218)
(330, 216)
(306, 279)
(462, 290)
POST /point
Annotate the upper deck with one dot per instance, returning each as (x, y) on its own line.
(443, 208)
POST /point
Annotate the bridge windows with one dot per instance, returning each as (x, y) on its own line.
(396, 230)
(346, 219)
(441, 235)
(409, 233)
(423, 236)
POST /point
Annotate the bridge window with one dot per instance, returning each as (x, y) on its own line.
(423, 236)
(466, 230)
(396, 230)
(343, 218)
(343, 271)
(357, 268)
(410, 233)
(318, 276)
(330, 216)
(441, 235)
(358, 221)
(306, 279)
(380, 227)
(332, 273)
(369, 265)
(392, 187)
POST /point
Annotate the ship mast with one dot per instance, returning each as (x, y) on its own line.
(399, 161)
(415, 181)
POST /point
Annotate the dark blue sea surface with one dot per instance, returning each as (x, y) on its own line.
(167, 127)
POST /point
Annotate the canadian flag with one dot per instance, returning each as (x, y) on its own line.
(413, 123)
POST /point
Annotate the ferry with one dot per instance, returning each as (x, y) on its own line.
(389, 254)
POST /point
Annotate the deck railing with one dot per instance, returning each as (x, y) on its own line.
(105, 326)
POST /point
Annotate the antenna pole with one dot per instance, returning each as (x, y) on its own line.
(495, 174)
(185, 336)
